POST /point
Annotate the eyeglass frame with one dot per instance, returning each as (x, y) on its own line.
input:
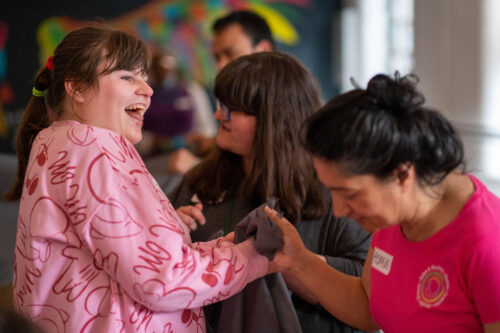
(225, 110)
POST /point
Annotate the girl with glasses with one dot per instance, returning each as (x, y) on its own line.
(263, 100)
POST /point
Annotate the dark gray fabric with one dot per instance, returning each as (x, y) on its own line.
(268, 237)
(342, 241)
(264, 306)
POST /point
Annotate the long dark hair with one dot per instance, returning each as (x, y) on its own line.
(76, 58)
(280, 93)
(374, 130)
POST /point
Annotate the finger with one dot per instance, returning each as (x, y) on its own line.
(201, 217)
(273, 215)
(184, 210)
(195, 212)
(270, 212)
(230, 237)
(192, 225)
(188, 220)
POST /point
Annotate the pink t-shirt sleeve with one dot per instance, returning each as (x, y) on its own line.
(483, 268)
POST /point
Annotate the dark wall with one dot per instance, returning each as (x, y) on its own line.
(24, 17)
(319, 40)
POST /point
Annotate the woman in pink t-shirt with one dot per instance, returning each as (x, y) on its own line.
(394, 166)
(99, 247)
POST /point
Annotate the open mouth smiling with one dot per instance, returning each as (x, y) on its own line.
(136, 111)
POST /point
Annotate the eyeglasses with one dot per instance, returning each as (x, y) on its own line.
(225, 110)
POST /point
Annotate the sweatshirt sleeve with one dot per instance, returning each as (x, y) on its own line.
(135, 235)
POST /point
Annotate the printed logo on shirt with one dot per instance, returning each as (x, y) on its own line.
(433, 286)
(382, 261)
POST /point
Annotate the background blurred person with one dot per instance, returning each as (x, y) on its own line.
(171, 113)
(235, 34)
(179, 108)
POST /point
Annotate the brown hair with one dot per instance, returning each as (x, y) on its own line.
(281, 93)
(76, 58)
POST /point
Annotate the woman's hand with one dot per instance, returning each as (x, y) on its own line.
(286, 258)
(191, 215)
(293, 247)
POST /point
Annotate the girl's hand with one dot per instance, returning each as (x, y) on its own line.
(191, 215)
(229, 237)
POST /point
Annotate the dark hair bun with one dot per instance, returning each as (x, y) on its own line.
(374, 130)
(396, 95)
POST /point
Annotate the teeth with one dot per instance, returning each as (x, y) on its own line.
(136, 108)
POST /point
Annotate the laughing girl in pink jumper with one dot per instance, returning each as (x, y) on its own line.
(99, 247)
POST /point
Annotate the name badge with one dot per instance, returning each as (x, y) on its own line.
(382, 261)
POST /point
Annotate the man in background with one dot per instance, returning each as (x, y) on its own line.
(236, 34)
(240, 33)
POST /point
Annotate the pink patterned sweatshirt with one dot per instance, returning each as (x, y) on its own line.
(100, 248)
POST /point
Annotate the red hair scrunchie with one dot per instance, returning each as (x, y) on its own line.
(49, 63)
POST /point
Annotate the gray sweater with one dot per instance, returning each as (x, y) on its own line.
(342, 241)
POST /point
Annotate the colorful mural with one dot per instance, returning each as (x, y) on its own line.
(183, 27)
(6, 93)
